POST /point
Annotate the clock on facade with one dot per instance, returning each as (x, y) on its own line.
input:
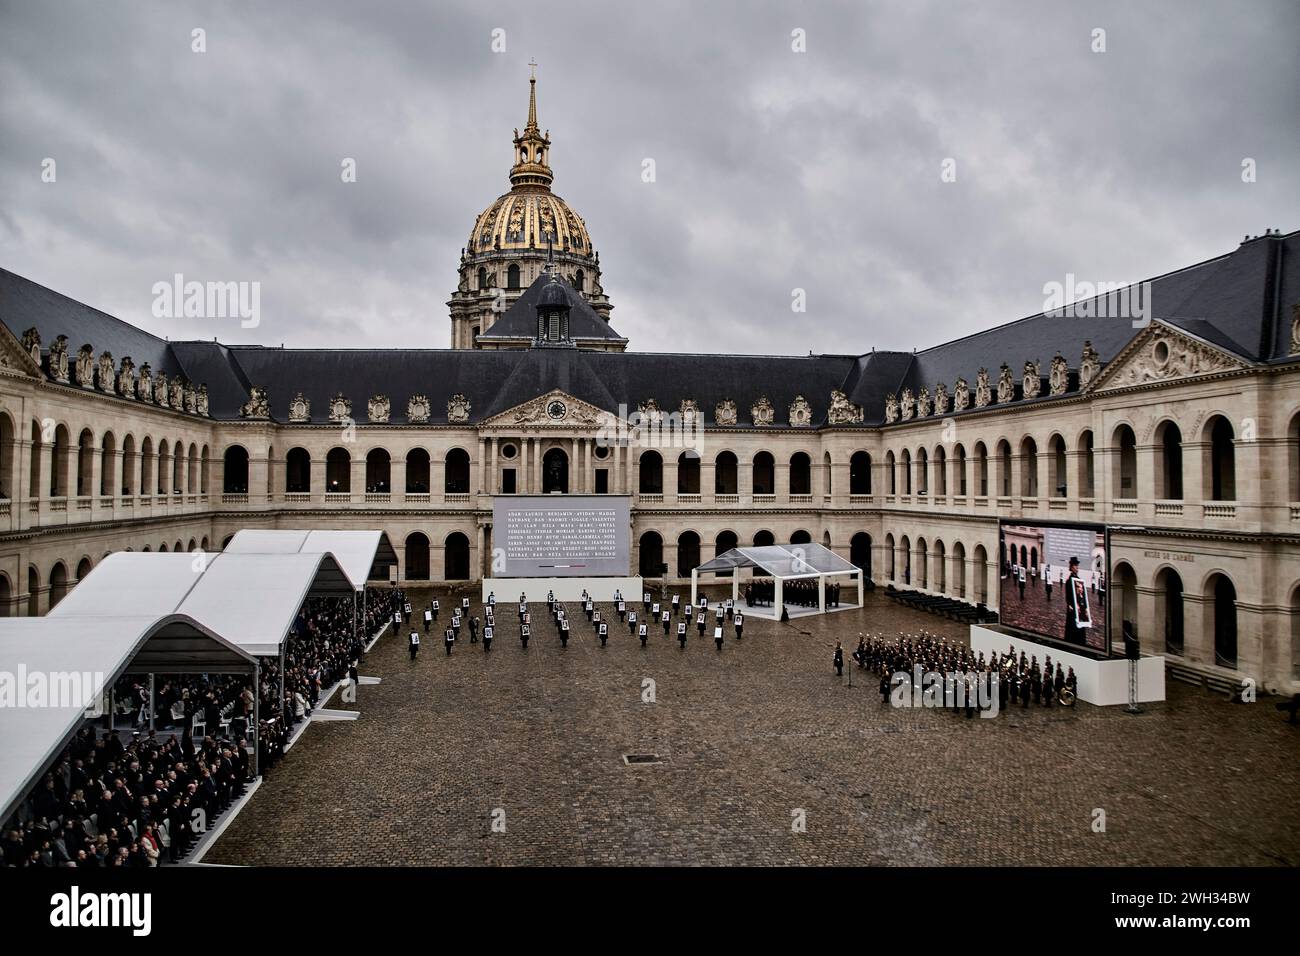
(556, 409)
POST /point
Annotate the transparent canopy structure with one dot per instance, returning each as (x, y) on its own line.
(781, 562)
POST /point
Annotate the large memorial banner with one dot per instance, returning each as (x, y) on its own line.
(560, 536)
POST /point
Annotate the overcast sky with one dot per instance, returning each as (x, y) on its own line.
(776, 170)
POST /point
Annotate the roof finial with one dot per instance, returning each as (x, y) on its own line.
(532, 94)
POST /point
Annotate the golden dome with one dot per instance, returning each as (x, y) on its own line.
(530, 216)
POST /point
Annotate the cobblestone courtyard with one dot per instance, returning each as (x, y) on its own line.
(749, 737)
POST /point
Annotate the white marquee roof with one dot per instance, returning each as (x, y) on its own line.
(356, 551)
(97, 651)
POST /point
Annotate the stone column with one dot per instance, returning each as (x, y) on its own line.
(437, 477)
(492, 481)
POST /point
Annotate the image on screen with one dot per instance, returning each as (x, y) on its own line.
(1037, 592)
(560, 536)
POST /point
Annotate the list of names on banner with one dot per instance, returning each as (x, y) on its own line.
(559, 536)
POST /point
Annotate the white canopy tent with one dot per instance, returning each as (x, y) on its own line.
(357, 552)
(75, 658)
(782, 562)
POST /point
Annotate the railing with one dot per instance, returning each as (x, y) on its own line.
(1124, 507)
(1295, 511)
(418, 498)
(1220, 510)
(689, 499)
(84, 502)
(1087, 504)
(1029, 504)
(33, 505)
(458, 498)
(297, 497)
(58, 504)
(939, 501)
(337, 497)
(801, 499)
(1057, 504)
(860, 499)
(727, 499)
(234, 498)
(1169, 509)
(1004, 501)
(106, 502)
(644, 498)
(959, 501)
(764, 499)
(904, 499)
(378, 497)
(5, 508)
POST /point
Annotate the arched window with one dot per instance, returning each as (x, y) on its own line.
(417, 557)
(1028, 468)
(860, 473)
(192, 479)
(6, 596)
(456, 472)
(58, 584)
(235, 481)
(891, 469)
(905, 466)
(1087, 469)
(688, 474)
(959, 570)
(940, 567)
(84, 567)
(417, 472)
(7, 487)
(1221, 464)
(482, 279)
(59, 463)
(801, 537)
(724, 542)
(1221, 597)
(378, 472)
(1293, 463)
(860, 552)
(1169, 609)
(800, 474)
(725, 474)
(650, 468)
(33, 592)
(1004, 468)
(85, 462)
(338, 471)
(959, 469)
(979, 567)
(922, 472)
(764, 539)
(891, 557)
(922, 564)
(764, 474)
(456, 557)
(1124, 451)
(165, 468)
(107, 465)
(512, 277)
(688, 553)
(580, 281)
(651, 549)
(981, 470)
(555, 472)
(1058, 478)
(297, 471)
(1169, 476)
(940, 471)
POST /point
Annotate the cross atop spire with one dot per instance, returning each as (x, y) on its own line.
(532, 94)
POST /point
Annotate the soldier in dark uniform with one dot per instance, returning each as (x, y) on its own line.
(435, 611)
(663, 619)
(1058, 682)
(677, 601)
(631, 622)
(884, 685)
(428, 619)
(414, 641)
(681, 638)
(681, 630)
(839, 659)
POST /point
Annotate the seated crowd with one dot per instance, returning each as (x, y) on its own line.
(144, 801)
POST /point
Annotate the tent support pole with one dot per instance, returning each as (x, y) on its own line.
(153, 701)
(821, 594)
(861, 587)
(257, 717)
(776, 609)
(735, 587)
(695, 583)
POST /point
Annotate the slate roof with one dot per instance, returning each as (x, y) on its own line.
(520, 320)
(1240, 301)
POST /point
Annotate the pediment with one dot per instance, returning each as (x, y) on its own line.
(14, 359)
(555, 409)
(1163, 354)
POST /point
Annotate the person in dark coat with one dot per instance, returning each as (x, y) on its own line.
(473, 630)
(449, 639)
(839, 659)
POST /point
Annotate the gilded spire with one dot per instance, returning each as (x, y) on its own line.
(532, 147)
(532, 96)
